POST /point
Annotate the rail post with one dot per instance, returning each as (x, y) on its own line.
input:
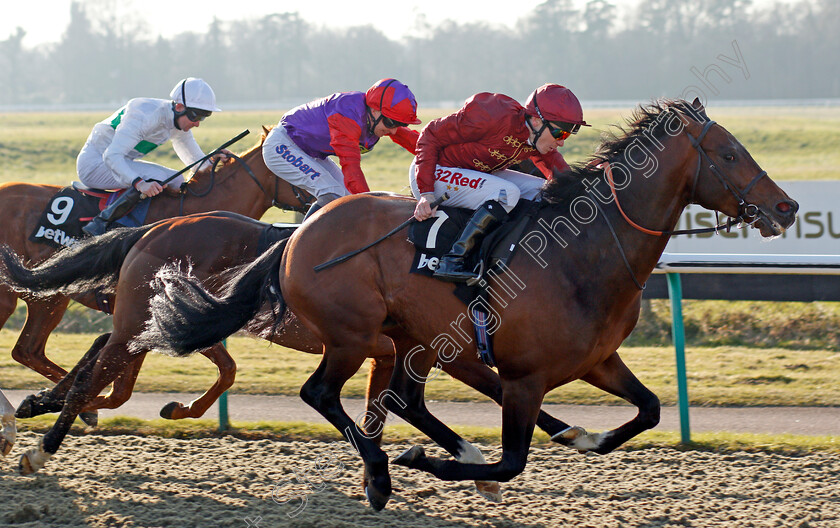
(224, 419)
(678, 332)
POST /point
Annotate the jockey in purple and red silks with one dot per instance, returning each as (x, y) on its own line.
(343, 124)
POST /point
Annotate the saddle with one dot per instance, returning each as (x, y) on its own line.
(434, 237)
(60, 224)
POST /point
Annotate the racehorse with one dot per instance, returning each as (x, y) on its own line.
(577, 299)
(235, 187)
(126, 260)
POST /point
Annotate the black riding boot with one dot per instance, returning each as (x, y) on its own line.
(485, 218)
(121, 207)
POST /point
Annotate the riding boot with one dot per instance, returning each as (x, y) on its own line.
(121, 207)
(485, 218)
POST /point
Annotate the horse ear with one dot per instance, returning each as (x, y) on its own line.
(700, 109)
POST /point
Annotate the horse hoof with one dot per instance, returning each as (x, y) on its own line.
(377, 498)
(578, 438)
(90, 418)
(377, 489)
(491, 491)
(410, 457)
(7, 438)
(168, 410)
(38, 404)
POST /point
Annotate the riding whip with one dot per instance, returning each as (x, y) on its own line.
(342, 258)
(132, 196)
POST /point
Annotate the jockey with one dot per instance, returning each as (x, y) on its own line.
(467, 154)
(110, 157)
(346, 125)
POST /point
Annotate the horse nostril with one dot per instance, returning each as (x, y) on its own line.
(787, 207)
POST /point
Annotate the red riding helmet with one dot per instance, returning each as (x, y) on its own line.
(552, 102)
(394, 100)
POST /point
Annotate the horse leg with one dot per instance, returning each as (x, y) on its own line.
(7, 421)
(89, 382)
(52, 400)
(122, 389)
(613, 376)
(520, 405)
(42, 316)
(482, 378)
(372, 421)
(220, 357)
(407, 402)
(322, 392)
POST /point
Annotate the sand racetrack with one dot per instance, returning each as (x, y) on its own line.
(135, 481)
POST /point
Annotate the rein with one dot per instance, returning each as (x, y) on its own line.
(185, 188)
(745, 210)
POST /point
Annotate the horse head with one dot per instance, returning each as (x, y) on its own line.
(728, 179)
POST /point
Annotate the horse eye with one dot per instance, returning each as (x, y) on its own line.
(729, 157)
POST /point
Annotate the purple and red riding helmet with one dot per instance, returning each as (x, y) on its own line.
(394, 100)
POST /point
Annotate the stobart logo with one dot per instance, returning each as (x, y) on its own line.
(297, 161)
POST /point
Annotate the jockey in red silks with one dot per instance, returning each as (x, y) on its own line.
(467, 154)
(346, 125)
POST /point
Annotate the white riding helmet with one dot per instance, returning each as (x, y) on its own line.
(195, 93)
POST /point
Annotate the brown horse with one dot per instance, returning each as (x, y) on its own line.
(21, 204)
(560, 311)
(126, 260)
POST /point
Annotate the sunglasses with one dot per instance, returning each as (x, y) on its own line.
(196, 114)
(390, 123)
(560, 130)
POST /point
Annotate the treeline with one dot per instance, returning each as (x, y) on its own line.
(727, 49)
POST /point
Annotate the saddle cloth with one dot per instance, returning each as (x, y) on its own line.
(61, 222)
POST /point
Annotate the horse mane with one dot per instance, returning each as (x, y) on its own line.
(643, 124)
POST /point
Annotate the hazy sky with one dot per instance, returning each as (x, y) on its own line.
(46, 20)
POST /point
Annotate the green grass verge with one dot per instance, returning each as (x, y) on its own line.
(402, 433)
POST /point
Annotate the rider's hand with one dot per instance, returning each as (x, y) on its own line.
(423, 210)
(149, 188)
(222, 155)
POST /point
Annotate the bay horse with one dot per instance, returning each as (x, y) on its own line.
(126, 260)
(235, 187)
(578, 298)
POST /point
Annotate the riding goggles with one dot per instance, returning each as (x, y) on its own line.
(196, 114)
(560, 130)
(391, 123)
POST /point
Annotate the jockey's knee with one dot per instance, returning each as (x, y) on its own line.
(509, 196)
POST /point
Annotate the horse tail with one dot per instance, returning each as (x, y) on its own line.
(185, 317)
(90, 264)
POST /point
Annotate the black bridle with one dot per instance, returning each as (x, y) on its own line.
(302, 208)
(747, 212)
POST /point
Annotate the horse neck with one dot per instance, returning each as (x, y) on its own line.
(233, 189)
(654, 202)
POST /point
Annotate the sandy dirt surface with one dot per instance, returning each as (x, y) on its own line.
(108, 481)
